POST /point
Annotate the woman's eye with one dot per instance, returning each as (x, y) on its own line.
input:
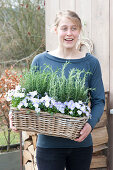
(74, 28)
(64, 29)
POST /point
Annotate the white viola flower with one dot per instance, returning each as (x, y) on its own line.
(79, 112)
(20, 105)
(8, 98)
(18, 87)
(61, 110)
(77, 105)
(37, 110)
(47, 98)
(33, 94)
(80, 102)
(36, 105)
(10, 93)
(71, 112)
(34, 100)
(47, 103)
(25, 102)
(21, 95)
(23, 90)
(43, 99)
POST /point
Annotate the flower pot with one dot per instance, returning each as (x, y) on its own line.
(59, 125)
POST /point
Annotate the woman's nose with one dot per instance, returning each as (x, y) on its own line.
(69, 32)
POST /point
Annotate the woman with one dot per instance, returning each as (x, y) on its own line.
(55, 153)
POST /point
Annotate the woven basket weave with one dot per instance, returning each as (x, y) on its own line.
(58, 125)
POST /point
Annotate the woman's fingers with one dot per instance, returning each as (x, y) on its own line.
(11, 123)
(84, 132)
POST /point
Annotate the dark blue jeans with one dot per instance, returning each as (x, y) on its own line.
(60, 158)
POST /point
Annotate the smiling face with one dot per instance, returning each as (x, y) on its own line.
(68, 33)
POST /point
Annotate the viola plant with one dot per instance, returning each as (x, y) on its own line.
(52, 92)
(48, 104)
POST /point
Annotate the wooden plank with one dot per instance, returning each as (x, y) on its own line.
(85, 15)
(27, 144)
(98, 161)
(100, 36)
(103, 121)
(31, 149)
(29, 166)
(99, 148)
(66, 5)
(34, 140)
(25, 136)
(106, 101)
(24, 161)
(35, 164)
(51, 8)
(31, 133)
(100, 136)
(27, 155)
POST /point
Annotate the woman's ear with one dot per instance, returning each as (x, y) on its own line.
(55, 30)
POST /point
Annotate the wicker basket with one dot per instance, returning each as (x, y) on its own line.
(58, 125)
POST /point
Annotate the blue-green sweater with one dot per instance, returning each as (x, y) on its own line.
(94, 80)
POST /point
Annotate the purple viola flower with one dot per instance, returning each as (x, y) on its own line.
(83, 109)
(53, 101)
(87, 114)
(66, 103)
(60, 106)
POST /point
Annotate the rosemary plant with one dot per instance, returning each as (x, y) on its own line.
(57, 85)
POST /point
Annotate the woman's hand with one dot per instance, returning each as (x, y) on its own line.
(11, 123)
(84, 132)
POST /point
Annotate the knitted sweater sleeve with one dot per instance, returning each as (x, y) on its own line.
(97, 95)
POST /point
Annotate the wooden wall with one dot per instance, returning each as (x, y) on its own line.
(97, 19)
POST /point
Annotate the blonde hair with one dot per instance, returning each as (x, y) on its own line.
(70, 15)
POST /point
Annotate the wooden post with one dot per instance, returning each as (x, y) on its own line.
(21, 156)
(111, 88)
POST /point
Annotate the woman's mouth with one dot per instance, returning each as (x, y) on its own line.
(69, 39)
